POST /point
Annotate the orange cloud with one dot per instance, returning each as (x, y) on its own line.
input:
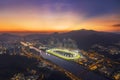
(37, 20)
(101, 23)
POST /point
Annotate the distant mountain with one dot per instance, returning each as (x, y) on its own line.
(116, 32)
(8, 37)
(40, 37)
(86, 38)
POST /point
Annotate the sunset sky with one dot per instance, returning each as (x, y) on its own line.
(59, 15)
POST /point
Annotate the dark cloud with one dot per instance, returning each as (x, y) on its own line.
(116, 25)
(90, 7)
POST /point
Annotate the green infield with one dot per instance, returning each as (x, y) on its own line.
(63, 53)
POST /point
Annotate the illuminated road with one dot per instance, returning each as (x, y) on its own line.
(54, 66)
(72, 67)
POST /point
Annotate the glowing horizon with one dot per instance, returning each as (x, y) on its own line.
(52, 16)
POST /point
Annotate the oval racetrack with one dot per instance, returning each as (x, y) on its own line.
(63, 53)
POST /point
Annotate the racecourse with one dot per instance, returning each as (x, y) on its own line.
(63, 53)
